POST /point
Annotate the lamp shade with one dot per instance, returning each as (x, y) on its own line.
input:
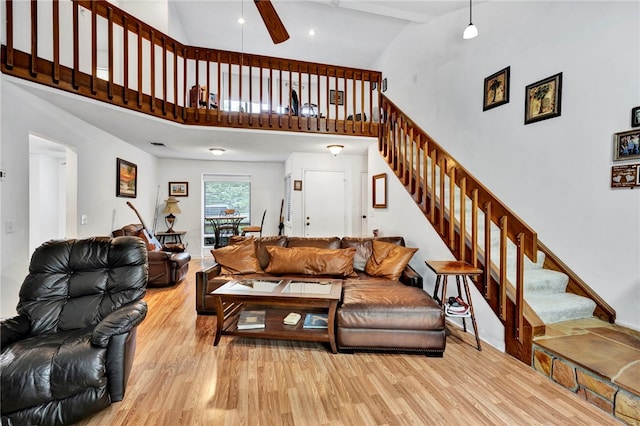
(335, 149)
(470, 32)
(171, 206)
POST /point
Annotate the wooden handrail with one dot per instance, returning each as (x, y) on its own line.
(166, 69)
(451, 199)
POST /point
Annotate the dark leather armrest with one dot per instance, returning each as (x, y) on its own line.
(158, 256)
(14, 329)
(411, 278)
(117, 322)
(203, 288)
(180, 258)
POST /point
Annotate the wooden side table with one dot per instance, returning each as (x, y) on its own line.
(462, 271)
(175, 236)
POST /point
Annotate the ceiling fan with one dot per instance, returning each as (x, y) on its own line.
(272, 21)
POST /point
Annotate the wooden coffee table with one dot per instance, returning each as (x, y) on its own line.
(278, 298)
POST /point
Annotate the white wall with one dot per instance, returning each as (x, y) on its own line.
(267, 192)
(555, 174)
(24, 113)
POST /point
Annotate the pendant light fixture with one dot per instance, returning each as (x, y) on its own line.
(471, 31)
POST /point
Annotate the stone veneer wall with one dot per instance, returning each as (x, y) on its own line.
(599, 391)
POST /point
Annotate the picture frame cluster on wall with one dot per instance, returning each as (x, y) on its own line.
(543, 99)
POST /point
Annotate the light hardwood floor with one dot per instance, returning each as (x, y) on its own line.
(179, 378)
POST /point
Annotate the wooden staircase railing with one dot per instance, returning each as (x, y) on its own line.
(95, 49)
(461, 209)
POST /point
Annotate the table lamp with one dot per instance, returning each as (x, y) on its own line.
(171, 207)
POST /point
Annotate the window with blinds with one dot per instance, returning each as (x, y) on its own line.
(222, 192)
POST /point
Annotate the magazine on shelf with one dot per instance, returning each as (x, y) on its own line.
(251, 320)
(316, 321)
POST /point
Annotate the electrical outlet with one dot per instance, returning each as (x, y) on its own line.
(83, 219)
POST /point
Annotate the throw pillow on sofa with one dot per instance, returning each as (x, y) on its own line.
(239, 258)
(388, 260)
(311, 261)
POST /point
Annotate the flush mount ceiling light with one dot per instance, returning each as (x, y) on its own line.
(471, 31)
(335, 149)
(217, 151)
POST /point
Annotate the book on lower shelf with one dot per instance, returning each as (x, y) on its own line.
(249, 320)
(316, 321)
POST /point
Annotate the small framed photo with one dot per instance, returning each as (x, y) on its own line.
(297, 185)
(340, 97)
(496, 89)
(543, 99)
(126, 179)
(635, 117)
(178, 189)
(626, 145)
(627, 176)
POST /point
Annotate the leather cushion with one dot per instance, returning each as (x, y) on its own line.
(388, 260)
(238, 258)
(319, 242)
(261, 246)
(390, 305)
(311, 261)
(364, 248)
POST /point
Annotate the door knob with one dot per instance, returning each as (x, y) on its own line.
(364, 216)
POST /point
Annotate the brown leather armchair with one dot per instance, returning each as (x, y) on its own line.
(165, 268)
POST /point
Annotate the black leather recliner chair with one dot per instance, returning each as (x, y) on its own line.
(69, 351)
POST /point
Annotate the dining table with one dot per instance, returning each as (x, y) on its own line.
(224, 227)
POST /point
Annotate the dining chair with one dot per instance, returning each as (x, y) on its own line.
(255, 228)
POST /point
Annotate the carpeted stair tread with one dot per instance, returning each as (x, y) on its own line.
(553, 308)
(544, 281)
(545, 289)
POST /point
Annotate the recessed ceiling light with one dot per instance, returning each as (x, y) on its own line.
(241, 20)
(217, 151)
(312, 32)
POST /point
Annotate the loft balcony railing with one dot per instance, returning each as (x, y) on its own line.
(468, 218)
(95, 49)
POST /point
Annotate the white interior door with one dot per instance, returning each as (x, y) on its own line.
(324, 203)
(364, 203)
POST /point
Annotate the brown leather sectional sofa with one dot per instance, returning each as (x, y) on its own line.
(376, 313)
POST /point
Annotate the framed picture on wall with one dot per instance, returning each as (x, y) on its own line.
(379, 191)
(336, 96)
(126, 179)
(626, 145)
(543, 99)
(178, 189)
(496, 89)
(635, 117)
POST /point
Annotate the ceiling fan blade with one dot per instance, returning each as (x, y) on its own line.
(272, 21)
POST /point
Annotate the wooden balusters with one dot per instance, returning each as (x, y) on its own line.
(520, 288)
(56, 41)
(504, 238)
(9, 17)
(34, 38)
